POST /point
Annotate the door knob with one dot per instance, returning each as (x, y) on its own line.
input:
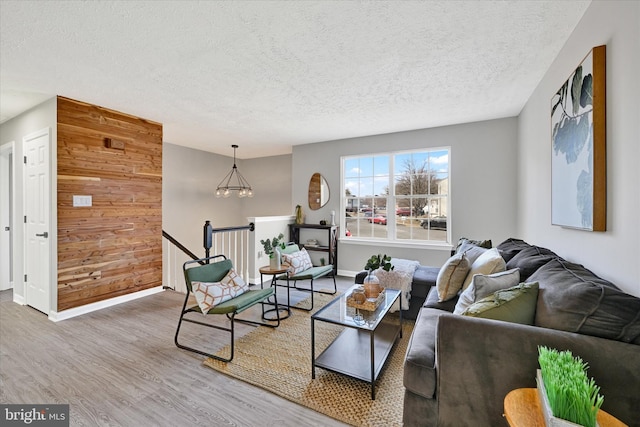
(7, 229)
(45, 235)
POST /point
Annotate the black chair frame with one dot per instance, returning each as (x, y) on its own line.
(228, 308)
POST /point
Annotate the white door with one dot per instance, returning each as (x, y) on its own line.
(36, 194)
(6, 215)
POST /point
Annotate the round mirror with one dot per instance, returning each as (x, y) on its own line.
(318, 192)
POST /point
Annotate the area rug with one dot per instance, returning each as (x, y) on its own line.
(279, 360)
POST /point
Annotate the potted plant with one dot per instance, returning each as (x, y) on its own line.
(379, 261)
(567, 396)
(270, 246)
(372, 286)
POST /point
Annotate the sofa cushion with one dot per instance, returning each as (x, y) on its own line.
(483, 285)
(420, 359)
(511, 247)
(423, 279)
(574, 299)
(451, 276)
(433, 301)
(488, 263)
(529, 260)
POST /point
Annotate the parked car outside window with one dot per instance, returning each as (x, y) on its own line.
(378, 219)
(438, 223)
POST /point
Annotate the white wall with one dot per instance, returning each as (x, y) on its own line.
(483, 183)
(270, 177)
(40, 117)
(7, 194)
(613, 254)
(266, 228)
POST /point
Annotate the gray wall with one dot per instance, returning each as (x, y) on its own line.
(270, 177)
(483, 183)
(189, 180)
(40, 117)
(613, 254)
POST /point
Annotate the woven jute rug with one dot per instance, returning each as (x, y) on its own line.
(279, 360)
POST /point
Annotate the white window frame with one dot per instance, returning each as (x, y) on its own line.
(391, 221)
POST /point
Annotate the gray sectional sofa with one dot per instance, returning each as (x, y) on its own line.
(458, 369)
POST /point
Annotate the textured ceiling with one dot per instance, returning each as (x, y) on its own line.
(271, 74)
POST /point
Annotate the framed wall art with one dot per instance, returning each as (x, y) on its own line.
(578, 139)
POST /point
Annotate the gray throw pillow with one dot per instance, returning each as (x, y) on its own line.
(529, 260)
(511, 247)
(483, 285)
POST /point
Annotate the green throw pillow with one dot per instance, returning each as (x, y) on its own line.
(515, 305)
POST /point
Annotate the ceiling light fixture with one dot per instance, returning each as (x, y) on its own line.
(239, 183)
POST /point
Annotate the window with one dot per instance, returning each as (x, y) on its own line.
(401, 197)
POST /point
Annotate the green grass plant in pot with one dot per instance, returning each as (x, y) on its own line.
(571, 395)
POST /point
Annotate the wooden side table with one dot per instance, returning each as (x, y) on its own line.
(274, 272)
(522, 409)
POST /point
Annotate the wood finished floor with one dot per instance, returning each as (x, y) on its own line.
(119, 367)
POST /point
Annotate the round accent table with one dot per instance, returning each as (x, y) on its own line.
(274, 272)
(522, 409)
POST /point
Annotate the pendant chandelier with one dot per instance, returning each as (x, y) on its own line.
(234, 181)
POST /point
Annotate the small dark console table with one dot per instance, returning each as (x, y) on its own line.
(330, 246)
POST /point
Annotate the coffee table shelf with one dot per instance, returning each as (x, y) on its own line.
(349, 354)
(362, 348)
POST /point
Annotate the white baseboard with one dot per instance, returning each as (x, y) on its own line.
(347, 273)
(18, 299)
(57, 316)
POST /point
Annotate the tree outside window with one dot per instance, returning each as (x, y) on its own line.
(397, 196)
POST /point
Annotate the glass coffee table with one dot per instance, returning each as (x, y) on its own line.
(362, 348)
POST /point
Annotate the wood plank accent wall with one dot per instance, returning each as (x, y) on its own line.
(114, 247)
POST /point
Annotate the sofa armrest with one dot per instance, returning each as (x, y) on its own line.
(478, 361)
